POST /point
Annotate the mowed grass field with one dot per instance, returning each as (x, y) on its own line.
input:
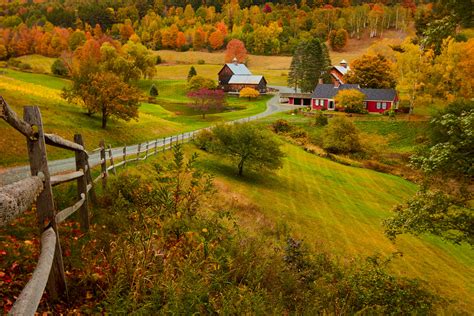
(340, 209)
(170, 116)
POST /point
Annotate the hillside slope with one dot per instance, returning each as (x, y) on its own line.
(340, 209)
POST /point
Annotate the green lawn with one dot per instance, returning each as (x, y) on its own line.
(170, 116)
(38, 63)
(340, 209)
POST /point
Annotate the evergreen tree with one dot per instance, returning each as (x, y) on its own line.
(314, 64)
(296, 70)
(192, 72)
(153, 91)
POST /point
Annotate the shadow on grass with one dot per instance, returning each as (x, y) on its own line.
(228, 169)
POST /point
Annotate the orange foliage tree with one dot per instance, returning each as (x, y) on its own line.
(216, 39)
(235, 49)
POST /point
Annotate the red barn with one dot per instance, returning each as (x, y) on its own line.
(376, 100)
(338, 72)
(233, 77)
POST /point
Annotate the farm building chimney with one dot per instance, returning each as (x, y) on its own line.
(343, 63)
(235, 61)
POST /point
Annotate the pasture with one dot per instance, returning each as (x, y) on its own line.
(340, 209)
(170, 116)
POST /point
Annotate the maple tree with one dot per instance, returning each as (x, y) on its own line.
(216, 39)
(204, 100)
(351, 100)
(235, 49)
(371, 71)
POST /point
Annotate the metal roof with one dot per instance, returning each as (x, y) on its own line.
(329, 91)
(342, 70)
(245, 79)
(239, 69)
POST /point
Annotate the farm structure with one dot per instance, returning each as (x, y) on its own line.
(234, 76)
(323, 98)
(338, 72)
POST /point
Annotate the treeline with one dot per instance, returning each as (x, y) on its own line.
(265, 29)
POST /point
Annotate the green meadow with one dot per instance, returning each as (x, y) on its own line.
(340, 209)
(169, 116)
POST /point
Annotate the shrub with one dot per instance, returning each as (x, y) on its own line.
(13, 62)
(24, 66)
(158, 59)
(59, 68)
(321, 120)
(154, 90)
(281, 126)
(341, 136)
(201, 62)
(204, 140)
(298, 133)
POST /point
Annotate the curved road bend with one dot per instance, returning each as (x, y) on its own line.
(13, 174)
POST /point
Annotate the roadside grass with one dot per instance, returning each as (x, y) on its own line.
(340, 209)
(39, 63)
(169, 117)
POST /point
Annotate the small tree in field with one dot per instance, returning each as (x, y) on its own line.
(107, 94)
(197, 82)
(248, 92)
(249, 146)
(204, 100)
(192, 72)
(153, 91)
(341, 136)
(351, 99)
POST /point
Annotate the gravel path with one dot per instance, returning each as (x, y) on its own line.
(10, 175)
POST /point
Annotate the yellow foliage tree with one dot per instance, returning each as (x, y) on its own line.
(351, 99)
(248, 92)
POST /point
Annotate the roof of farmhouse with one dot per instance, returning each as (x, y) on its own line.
(329, 91)
(245, 79)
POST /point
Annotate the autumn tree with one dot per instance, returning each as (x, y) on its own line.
(338, 39)
(108, 95)
(216, 39)
(3, 52)
(250, 146)
(198, 82)
(340, 136)
(204, 100)
(249, 93)
(371, 71)
(235, 49)
(351, 100)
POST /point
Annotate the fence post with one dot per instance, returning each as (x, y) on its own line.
(124, 150)
(82, 184)
(164, 144)
(103, 164)
(146, 150)
(45, 210)
(156, 146)
(138, 151)
(111, 157)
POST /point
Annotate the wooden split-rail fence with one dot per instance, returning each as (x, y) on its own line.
(36, 190)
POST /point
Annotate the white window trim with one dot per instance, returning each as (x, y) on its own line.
(333, 103)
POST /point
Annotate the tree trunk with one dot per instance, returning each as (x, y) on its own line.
(241, 167)
(104, 119)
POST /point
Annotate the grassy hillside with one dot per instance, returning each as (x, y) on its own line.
(340, 209)
(170, 116)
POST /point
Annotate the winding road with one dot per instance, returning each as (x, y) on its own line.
(10, 175)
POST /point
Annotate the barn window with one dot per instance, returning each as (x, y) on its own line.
(378, 105)
(384, 105)
(317, 102)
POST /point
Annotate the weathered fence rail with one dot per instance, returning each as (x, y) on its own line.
(20, 196)
(37, 189)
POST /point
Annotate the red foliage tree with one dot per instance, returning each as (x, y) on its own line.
(204, 100)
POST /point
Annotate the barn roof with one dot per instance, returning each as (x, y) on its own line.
(329, 91)
(245, 79)
(239, 69)
(343, 70)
